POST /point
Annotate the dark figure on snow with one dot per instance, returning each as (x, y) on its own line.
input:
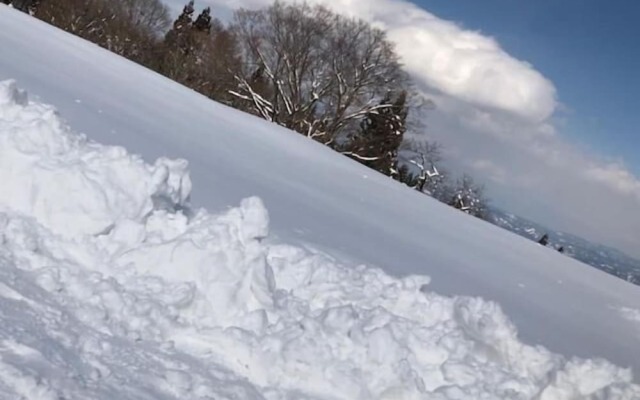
(561, 249)
(544, 240)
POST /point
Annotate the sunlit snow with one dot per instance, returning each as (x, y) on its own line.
(300, 280)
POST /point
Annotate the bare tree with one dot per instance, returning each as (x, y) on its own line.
(312, 70)
(469, 197)
(151, 15)
(126, 27)
(418, 159)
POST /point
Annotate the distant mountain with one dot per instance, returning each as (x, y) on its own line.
(601, 257)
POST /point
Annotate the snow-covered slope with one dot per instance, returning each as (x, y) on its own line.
(113, 286)
(598, 256)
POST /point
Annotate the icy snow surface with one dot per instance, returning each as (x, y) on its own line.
(114, 286)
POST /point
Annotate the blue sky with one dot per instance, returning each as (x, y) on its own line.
(589, 49)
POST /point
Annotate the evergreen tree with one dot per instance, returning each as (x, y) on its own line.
(201, 54)
(179, 35)
(203, 22)
(185, 19)
(381, 133)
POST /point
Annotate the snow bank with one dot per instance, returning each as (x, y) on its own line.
(69, 185)
(112, 287)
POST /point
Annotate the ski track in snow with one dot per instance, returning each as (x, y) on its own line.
(112, 286)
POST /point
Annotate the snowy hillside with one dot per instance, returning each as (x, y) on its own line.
(114, 283)
(602, 257)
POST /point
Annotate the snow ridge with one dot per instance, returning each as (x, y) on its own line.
(111, 286)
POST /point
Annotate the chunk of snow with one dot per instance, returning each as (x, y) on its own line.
(73, 186)
(111, 287)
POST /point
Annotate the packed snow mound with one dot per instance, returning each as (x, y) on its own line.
(111, 286)
(69, 185)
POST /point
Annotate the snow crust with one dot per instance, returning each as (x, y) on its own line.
(113, 286)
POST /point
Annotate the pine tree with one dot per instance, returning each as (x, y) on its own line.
(179, 35)
(185, 19)
(380, 136)
(201, 54)
(203, 22)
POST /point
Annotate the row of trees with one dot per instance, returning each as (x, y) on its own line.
(334, 79)
(418, 170)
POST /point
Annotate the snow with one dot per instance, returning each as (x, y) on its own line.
(46, 168)
(114, 283)
(631, 314)
(101, 281)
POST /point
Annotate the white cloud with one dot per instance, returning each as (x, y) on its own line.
(617, 177)
(495, 117)
(473, 68)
